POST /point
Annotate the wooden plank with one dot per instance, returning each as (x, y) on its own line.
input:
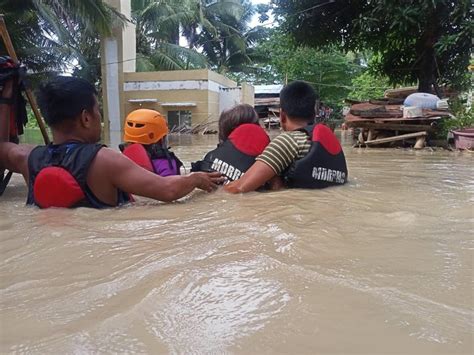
(407, 119)
(397, 138)
(391, 126)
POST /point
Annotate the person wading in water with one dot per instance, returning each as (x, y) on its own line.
(75, 170)
(306, 155)
(241, 140)
(146, 142)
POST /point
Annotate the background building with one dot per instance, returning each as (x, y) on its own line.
(185, 97)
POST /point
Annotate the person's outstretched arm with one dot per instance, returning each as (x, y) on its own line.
(14, 157)
(111, 167)
(276, 157)
(257, 175)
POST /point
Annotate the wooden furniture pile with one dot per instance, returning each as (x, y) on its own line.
(381, 121)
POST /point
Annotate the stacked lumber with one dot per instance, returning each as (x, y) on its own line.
(381, 122)
(267, 101)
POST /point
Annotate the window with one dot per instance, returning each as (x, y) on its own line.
(179, 119)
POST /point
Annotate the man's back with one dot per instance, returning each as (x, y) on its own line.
(110, 171)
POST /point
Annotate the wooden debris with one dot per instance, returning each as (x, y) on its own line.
(387, 101)
(267, 101)
(396, 138)
(201, 127)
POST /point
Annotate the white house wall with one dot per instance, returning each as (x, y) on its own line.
(172, 85)
(229, 98)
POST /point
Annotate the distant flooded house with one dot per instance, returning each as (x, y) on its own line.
(267, 97)
(185, 97)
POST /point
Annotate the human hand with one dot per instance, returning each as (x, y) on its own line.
(208, 181)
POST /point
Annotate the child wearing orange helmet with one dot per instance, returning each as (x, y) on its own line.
(145, 140)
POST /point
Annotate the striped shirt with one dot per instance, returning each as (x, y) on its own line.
(285, 149)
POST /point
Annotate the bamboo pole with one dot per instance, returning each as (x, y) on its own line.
(11, 52)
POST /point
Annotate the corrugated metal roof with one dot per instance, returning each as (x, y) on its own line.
(268, 89)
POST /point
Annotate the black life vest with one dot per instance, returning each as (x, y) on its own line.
(153, 157)
(58, 176)
(235, 155)
(323, 166)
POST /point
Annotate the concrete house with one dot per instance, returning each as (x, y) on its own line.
(184, 97)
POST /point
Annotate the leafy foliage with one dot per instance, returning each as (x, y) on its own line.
(426, 41)
(330, 71)
(463, 117)
(45, 32)
(226, 40)
(368, 86)
(216, 33)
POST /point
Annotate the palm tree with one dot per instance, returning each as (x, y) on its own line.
(216, 31)
(44, 32)
(223, 34)
(157, 24)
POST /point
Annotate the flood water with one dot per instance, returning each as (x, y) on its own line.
(381, 265)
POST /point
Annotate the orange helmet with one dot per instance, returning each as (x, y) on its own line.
(145, 127)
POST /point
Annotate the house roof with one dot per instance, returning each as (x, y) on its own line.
(268, 89)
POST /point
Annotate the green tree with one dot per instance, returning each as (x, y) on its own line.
(330, 71)
(368, 86)
(221, 31)
(216, 31)
(44, 32)
(158, 25)
(425, 41)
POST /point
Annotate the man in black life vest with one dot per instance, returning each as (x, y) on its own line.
(306, 155)
(75, 170)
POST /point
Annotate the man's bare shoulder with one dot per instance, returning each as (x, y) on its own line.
(108, 158)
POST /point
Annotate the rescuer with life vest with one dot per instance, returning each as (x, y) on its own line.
(145, 137)
(306, 155)
(13, 115)
(77, 171)
(241, 140)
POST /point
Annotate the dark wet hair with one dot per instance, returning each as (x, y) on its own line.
(234, 117)
(298, 99)
(64, 98)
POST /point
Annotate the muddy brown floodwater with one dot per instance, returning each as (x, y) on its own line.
(381, 265)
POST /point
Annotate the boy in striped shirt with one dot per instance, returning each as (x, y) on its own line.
(297, 112)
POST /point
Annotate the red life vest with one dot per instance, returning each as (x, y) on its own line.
(237, 153)
(138, 154)
(323, 166)
(153, 157)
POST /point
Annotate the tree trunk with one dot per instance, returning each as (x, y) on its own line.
(174, 37)
(426, 77)
(427, 67)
